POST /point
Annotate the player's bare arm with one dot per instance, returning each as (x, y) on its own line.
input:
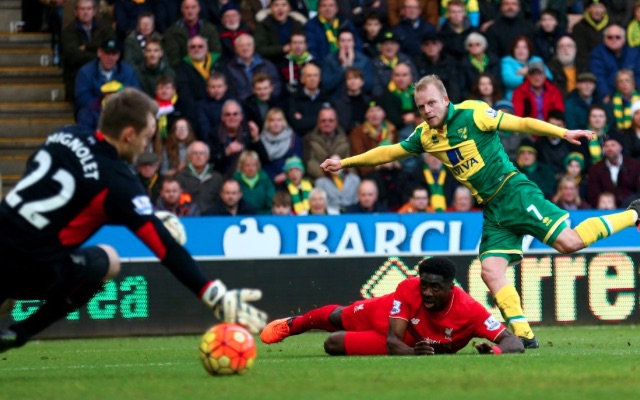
(371, 158)
(532, 126)
(506, 342)
(395, 345)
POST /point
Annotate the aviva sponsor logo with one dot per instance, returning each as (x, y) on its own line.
(465, 160)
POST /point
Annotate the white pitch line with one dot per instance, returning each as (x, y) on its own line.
(91, 366)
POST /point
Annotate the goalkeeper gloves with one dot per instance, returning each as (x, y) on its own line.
(232, 305)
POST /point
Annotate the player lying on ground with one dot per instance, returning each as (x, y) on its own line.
(426, 315)
(464, 137)
(75, 183)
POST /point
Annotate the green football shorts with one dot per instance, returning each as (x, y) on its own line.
(518, 209)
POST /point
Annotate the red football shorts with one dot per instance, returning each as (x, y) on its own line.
(367, 323)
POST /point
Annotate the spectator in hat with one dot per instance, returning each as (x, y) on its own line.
(80, 41)
(433, 60)
(526, 96)
(334, 65)
(614, 173)
(147, 172)
(514, 66)
(588, 32)
(297, 185)
(176, 38)
(412, 28)
(539, 173)
(106, 67)
(230, 29)
(88, 116)
(389, 57)
(326, 139)
(631, 135)
(375, 131)
(577, 103)
(610, 57)
(509, 24)
(563, 65)
(574, 168)
(478, 59)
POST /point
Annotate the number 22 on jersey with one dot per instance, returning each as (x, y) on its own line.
(32, 210)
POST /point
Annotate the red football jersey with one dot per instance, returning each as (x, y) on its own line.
(448, 330)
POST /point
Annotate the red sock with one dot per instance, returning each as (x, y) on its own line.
(318, 318)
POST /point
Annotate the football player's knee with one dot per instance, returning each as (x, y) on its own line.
(112, 259)
(334, 345)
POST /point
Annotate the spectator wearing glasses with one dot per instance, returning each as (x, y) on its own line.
(612, 56)
(177, 37)
(192, 74)
(478, 60)
(234, 135)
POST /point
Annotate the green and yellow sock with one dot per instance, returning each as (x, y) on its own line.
(508, 301)
(593, 229)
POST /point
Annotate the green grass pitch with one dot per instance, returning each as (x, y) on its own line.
(572, 363)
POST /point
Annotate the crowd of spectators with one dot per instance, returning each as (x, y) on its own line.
(254, 95)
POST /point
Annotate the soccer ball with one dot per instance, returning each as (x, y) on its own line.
(227, 349)
(173, 225)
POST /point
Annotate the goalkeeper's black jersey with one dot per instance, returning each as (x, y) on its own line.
(74, 184)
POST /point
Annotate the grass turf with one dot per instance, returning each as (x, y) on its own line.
(572, 363)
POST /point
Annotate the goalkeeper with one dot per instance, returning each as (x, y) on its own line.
(75, 183)
(464, 138)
